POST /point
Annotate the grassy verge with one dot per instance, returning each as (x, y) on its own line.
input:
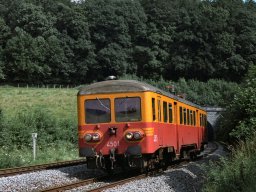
(236, 173)
(49, 112)
(22, 156)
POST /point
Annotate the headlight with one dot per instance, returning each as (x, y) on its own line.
(96, 137)
(129, 135)
(137, 135)
(88, 137)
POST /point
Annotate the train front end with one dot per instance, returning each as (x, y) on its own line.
(111, 125)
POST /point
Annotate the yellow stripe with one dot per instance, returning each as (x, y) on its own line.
(148, 131)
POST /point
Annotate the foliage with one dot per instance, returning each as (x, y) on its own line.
(236, 173)
(67, 42)
(49, 112)
(239, 121)
(23, 156)
(211, 93)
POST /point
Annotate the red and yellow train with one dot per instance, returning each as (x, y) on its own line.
(128, 123)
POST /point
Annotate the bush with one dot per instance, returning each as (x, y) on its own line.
(16, 131)
(236, 173)
(239, 122)
(211, 93)
(22, 156)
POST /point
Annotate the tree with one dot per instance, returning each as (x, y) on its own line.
(239, 121)
(4, 35)
(25, 58)
(75, 39)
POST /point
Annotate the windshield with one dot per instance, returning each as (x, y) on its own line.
(127, 109)
(97, 111)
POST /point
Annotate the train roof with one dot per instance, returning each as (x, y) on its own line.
(121, 86)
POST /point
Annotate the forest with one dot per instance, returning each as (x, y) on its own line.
(206, 49)
(63, 42)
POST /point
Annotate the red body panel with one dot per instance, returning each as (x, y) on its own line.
(156, 135)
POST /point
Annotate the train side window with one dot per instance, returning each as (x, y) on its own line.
(194, 117)
(188, 118)
(200, 119)
(181, 116)
(170, 113)
(184, 116)
(165, 111)
(191, 117)
(159, 111)
(153, 109)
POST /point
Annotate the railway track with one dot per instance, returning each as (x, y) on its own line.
(27, 169)
(105, 181)
(75, 184)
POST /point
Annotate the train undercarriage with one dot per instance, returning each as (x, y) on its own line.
(162, 158)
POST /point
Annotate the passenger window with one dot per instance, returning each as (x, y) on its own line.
(181, 116)
(191, 118)
(165, 112)
(153, 109)
(159, 111)
(194, 117)
(185, 116)
(188, 118)
(170, 113)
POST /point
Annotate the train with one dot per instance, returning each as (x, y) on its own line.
(131, 124)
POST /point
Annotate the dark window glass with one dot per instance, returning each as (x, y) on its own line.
(170, 113)
(127, 109)
(97, 111)
(159, 111)
(194, 117)
(188, 119)
(165, 112)
(181, 118)
(153, 109)
(191, 117)
(185, 116)
(205, 120)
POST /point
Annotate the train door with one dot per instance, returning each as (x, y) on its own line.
(176, 126)
(160, 128)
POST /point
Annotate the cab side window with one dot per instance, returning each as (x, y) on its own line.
(153, 109)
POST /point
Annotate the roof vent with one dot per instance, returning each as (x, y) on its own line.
(112, 77)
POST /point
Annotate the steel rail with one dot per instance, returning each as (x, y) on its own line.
(74, 184)
(121, 179)
(20, 170)
(120, 182)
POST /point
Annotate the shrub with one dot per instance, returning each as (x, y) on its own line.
(239, 121)
(236, 173)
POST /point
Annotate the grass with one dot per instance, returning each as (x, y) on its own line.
(24, 156)
(50, 112)
(60, 102)
(236, 173)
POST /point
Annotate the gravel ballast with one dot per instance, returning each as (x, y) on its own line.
(186, 178)
(40, 180)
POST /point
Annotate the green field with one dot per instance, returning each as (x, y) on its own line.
(59, 102)
(49, 112)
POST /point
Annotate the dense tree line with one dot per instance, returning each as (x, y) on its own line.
(45, 41)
